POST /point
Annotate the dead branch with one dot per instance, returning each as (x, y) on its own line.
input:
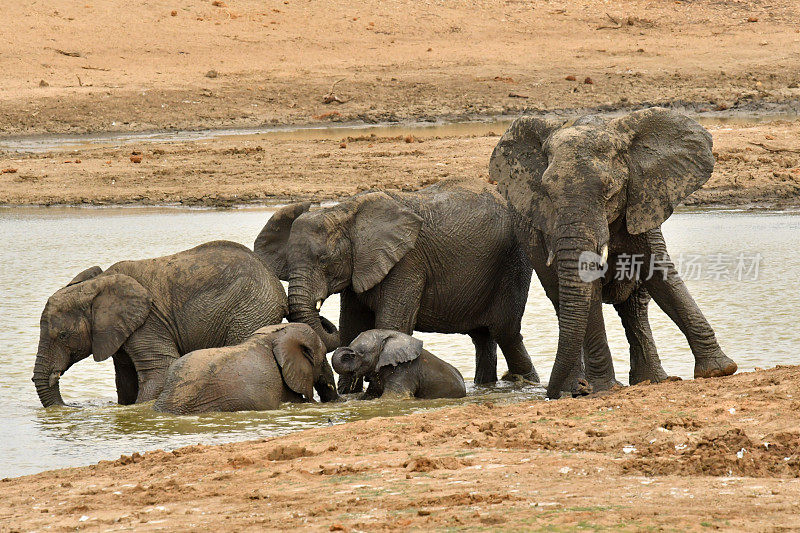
(331, 97)
(775, 149)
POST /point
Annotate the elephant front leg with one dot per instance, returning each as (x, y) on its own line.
(599, 365)
(354, 319)
(485, 356)
(152, 373)
(670, 293)
(125, 378)
(645, 364)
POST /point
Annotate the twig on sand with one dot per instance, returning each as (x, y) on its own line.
(516, 95)
(68, 54)
(331, 97)
(617, 24)
(775, 149)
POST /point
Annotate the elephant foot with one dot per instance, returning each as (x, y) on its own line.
(581, 387)
(531, 378)
(639, 375)
(485, 378)
(605, 385)
(714, 366)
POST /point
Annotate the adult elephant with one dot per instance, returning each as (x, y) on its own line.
(145, 314)
(593, 195)
(443, 259)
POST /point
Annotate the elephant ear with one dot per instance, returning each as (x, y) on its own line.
(295, 358)
(87, 274)
(119, 307)
(383, 232)
(669, 157)
(270, 244)
(517, 164)
(398, 348)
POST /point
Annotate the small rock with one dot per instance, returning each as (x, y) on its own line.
(588, 81)
(173, 13)
(136, 159)
(336, 527)
(423, 512)
(409, 139)
(342, 145)
(570, 78)
(212, 74)
(43, 83)
(9, 171)
(218, 3)
(752, 19)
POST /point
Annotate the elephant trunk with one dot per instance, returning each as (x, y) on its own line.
(574, 299)
(302, 308)
(46, 380)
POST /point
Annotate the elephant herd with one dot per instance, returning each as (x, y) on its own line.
(201, 330)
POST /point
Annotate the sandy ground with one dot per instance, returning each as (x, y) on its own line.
(118, 65)
(694, 455)
(756, 164)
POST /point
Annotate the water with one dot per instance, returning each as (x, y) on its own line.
(44, 248)
(317, 132)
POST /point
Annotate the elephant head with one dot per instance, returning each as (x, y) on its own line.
(299, 353)
(570, 185)
(373, 350)
(93, 314)
(350, 245)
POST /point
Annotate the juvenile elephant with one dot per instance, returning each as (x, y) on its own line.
(443, 259)
(145, 314)
(395, 365)
(276, 364)
(589, 200)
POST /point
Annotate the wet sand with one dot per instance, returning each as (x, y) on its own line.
(694, 455)
(757, 164)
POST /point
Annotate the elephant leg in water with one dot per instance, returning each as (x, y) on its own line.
(645, 363)
(354, 319)
(599, 365)
(670, 293)
(485, 356)
(125, 378)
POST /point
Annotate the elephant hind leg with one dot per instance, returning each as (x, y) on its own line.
(485, 356)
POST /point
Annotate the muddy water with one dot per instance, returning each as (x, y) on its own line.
(49, 143)
(43, 249)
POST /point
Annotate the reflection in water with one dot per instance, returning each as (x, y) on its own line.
(45, 247)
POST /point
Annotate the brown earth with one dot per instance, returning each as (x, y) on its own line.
(705, 454)
(119, 65)
(756, 164)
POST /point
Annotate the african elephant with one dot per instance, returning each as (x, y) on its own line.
(276, 364)
(395, 365)
(443, 259)
(145, 314)
(590, 198)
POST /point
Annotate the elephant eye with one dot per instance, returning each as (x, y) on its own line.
(63, 335)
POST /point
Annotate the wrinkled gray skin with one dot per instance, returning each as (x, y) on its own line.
(396, 365)
(276, 364)
(443, 259)
(606, 186)
(145, 314)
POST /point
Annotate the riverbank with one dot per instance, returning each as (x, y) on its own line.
(693, 455)
(757, 164)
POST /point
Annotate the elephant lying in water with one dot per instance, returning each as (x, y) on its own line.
(443, 259)
(276, 364)
(146, 314)
(395, 365)
(589, 199)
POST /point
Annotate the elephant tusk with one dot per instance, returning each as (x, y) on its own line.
(550, 258)
(604, 255)
(319, 304)
(54, 377)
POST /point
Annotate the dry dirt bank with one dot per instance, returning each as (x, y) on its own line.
(756, 164)
(694, 455)
(119, 65)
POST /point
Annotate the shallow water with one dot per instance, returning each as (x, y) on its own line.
(317, 132)
(755, 323)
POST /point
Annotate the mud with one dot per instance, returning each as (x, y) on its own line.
(694, 455)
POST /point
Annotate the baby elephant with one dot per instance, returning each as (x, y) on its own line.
(396, 365)
(276, 364)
